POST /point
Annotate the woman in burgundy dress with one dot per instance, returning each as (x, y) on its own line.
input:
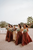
(9, 36)
(19, 35)
(25, 38)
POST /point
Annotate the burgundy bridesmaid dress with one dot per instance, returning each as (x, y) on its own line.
(26, 39)
(9, 36)
(19, 38)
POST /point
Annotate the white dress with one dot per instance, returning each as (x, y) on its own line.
(14, 35)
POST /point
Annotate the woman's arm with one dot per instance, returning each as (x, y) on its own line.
(27, 30)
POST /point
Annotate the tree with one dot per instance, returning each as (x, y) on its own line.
(31, 26)
(3, 24)
(29, 20)
(21, 23)
(32, 20)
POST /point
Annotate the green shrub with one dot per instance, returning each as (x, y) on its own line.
(31, 26)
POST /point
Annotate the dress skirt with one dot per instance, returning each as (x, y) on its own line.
(26, 39)
(19, 38)
(14, 35)
(9, 36)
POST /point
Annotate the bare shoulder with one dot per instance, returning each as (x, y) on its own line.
(21, 29)
(27, 29)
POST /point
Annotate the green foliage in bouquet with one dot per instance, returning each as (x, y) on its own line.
(10, 30)
(6, 28)
(25, 30)
(18, 30)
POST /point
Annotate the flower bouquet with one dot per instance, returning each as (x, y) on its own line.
(10, 30)
(25, 30)
(18, 30)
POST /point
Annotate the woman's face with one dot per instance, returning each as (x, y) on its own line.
(10, 26)
(24, 26)
(18, 25)
(13, 26)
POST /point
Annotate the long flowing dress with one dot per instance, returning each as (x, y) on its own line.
(14, 35)
(9, 35)
(19, 38)
(26, 38)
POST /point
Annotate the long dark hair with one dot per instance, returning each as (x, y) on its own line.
(9, 25)
(19, 26)
(25, 25)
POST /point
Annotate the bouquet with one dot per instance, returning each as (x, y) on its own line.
(18, 30)
(10, 30)
(25, 30)
(6, 28)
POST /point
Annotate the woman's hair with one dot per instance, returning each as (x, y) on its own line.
(19, 26)
(9, 25)
(25, 25)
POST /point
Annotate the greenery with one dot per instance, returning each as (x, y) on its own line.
(3, 24)
(21, 23)
(29, 23)
(31, 26)
(29, 20)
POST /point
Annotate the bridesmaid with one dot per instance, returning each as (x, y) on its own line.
(10, 33)
(19, 35)
(25, 38)
(7, 35)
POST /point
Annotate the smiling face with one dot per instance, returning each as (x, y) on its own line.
(14, 26)
(8, 25)
(24, 26)
(18, 25)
